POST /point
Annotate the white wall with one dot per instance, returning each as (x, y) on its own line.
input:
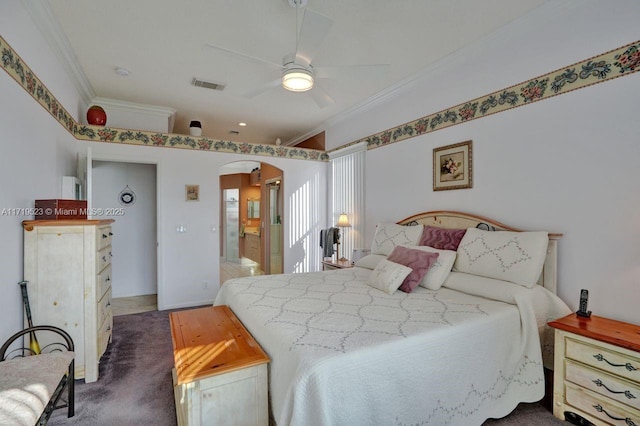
(35, 152)
(565, 164)
(189, 262)
(135, 235)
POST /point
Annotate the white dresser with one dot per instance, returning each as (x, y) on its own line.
(597, 370)
(67, 264)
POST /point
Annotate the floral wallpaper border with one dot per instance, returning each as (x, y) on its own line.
(615, 63)
(13, 64)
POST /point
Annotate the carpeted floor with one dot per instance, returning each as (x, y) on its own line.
(135, 386)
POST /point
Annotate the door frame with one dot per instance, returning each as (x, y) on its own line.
(93, 156)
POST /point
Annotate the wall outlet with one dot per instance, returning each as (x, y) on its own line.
(205, 285)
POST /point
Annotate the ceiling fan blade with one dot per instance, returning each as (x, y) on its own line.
(378, 71)
(242, 55)
(313, 31)
(321, 97)
(260, 90)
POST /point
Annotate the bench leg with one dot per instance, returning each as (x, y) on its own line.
(71, 390)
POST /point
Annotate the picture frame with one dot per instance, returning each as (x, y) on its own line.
(453, 166)
(192, 192)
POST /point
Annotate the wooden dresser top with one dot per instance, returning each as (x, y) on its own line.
(210, 341)
(603, 329)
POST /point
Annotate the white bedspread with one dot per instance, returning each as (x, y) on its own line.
(345, 353)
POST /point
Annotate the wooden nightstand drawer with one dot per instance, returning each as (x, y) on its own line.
(601, 408)
(605, 384)
(597, 370)
(604, 359)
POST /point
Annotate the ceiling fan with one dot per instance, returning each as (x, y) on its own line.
(298, 74)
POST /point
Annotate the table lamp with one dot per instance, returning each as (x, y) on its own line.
(343, 222)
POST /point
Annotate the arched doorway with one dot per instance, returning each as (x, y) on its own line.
(251, 219)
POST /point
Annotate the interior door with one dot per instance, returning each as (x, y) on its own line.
(231, 225)
(274, 258)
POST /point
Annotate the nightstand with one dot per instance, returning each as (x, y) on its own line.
(328, 265)
(597, 370)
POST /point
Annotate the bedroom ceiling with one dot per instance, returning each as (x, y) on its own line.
(164, 44)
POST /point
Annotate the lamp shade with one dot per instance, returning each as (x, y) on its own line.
(343, 221)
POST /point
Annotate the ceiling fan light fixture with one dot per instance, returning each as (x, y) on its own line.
(297, 79)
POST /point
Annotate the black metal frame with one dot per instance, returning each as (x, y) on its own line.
(66, 381)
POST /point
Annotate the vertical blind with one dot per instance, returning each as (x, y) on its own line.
(347, 195)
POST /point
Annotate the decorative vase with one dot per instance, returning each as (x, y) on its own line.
(96, 116)
(195, 128)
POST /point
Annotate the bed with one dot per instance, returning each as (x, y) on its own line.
(347, 350)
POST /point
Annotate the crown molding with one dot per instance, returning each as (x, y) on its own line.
(530, 21)
(42, 16)
(132, 107)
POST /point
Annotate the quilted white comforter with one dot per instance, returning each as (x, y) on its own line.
(343, 352)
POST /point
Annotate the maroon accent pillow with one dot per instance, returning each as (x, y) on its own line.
(418, 260)
(441, 238)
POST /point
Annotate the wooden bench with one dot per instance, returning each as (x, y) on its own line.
(31, 386)
(220, 374)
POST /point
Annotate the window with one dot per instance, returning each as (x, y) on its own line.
(347, 195)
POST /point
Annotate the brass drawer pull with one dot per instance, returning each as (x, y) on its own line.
(626, 393)
(628, 365)
(627, 420)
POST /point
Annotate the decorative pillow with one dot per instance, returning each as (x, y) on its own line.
(389, 235)
(441, 238)
(388, 276)
(418, 260)
(439, 271)
(517, 257)
(370, 261)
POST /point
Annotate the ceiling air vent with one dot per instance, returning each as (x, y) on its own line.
(207, 84)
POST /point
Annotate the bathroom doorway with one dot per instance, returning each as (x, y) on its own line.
(250, 220)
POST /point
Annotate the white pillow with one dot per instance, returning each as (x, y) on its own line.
(388, 276)
(439, 271)
(370, 261)
(389, 235)
(517, 257)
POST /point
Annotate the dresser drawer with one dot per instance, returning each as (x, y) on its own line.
(605, 384)
(600, 407)
(103, 237)
(104, 334)
(104, 281)
(104, 307)
(609, 360)
(103, 258)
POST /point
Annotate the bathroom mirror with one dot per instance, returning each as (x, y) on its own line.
(253, 209)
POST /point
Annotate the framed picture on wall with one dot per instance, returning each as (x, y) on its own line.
(192, 192)
(452, 167)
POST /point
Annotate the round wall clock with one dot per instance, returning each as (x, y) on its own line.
(127, 197)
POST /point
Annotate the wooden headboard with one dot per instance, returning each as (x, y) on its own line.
(459, 220)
